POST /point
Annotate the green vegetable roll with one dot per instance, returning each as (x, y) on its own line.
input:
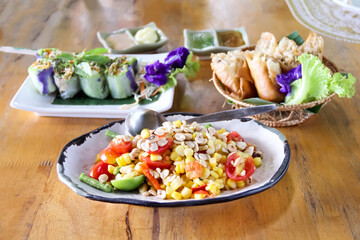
(66, 79)
(121, 78)
(41, 73)
(92, 80)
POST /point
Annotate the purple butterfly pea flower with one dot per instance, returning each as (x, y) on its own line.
(156, 73)
(177, 58)
(285, 79)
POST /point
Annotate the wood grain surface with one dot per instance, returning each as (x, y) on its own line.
(318, 198)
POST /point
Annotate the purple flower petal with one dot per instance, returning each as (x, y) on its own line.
(158, 79)
(285, 79)
(177, 58)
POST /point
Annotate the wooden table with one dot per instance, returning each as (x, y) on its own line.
(318, 198)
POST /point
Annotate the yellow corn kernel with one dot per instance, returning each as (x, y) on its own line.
(212, 162)
(127, 158)
(217, 156)
(240, 184)
(169, 190)
(214, 174)
(198, 182)
(220, 183)
(97, 158)
(199, 196)
(163, 186)
(218, 141)
(212, 188)
(189, 184)
(179, 158)
(177, 123)
(205, 173)
(176, 183)
(176, 195)
(220, 131)
(215, 168)
(189, 159)
(174, 156)
(186, 193)
(206, 181)
(179, 169)
(257, 162)
(111, 169)
(231, 183)
(145, 133)
(188, 152)
(220, 172)
(121, 161)
(155, 157)
(194, 135)
(180, 150)
(211, 143)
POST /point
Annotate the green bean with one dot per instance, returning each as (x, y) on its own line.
(95, 183)
(111, 134)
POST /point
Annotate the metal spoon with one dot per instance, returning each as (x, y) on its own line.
(142, 118)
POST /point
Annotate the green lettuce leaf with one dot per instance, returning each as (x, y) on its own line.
(342, 84)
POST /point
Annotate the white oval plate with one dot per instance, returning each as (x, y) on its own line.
(79, 155)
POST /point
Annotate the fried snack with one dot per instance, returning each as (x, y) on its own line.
(264, 71)
(314, 44)
(286, 54)
(233, 72)
(267, 44)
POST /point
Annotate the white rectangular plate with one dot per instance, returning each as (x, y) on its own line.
(28, 99)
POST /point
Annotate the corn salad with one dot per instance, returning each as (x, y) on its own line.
(179, 161)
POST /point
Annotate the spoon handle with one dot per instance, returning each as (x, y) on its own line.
(232, 114)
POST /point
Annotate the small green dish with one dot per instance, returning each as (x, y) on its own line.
(123, 41)
(205, 42)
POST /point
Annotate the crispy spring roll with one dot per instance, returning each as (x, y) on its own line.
(264, 71)
(233, 72)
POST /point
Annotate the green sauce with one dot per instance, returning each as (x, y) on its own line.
(201, 40)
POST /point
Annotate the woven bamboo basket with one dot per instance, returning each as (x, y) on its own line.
(284, 115)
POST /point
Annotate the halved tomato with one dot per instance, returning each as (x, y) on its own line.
(231, 170)
(164, 163)
(120, 146)
(108, 155)
(234, 136)
(162, 149)
(100, 168)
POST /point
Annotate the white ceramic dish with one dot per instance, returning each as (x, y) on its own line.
(28, 99)
(137, 47)
(216, 48)
(79, 154)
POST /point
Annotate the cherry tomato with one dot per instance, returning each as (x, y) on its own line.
(231, 170)
(234, 136)
(120, 146)
(164, 163)
(193, 169)
(146, 171)
(202, 192)
(162, 149)
(100, 168)
(108, 155)
(195, 189)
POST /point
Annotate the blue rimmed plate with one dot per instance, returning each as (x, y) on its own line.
(79, 154)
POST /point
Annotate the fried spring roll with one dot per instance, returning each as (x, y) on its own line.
(233, 72)
(264, 71)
